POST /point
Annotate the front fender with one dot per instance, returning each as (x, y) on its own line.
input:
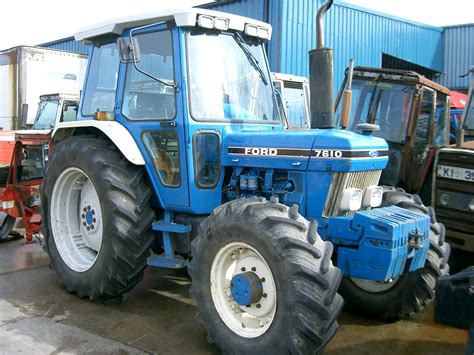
(117, 134)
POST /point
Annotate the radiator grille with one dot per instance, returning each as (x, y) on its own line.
(340, 182)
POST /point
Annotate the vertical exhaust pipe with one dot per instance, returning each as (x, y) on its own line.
(321, 77)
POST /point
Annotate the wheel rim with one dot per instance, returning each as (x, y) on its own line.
(233, 260)
(375, 286)
(76, 219)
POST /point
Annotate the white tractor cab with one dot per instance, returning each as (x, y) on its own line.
(294, 94)
(54, 108)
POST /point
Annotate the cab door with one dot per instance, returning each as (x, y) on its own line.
(152, 110)
(422, 140)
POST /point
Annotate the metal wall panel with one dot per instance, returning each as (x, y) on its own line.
(353, 32)
(458, 56)
(68, 45)
(248, 8)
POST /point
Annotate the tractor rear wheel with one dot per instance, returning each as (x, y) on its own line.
(263, 280)
(96, 218)
(411, 292)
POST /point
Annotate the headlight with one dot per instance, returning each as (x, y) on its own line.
(373, 196)
(205, 21)
(351, 199)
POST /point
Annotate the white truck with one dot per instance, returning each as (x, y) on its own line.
(28, 72)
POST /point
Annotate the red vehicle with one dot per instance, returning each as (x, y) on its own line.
(22, 159)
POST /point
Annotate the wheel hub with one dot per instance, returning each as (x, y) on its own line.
(88, 218)
(246, 288)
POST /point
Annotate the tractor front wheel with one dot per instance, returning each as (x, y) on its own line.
(6, 225)
(96, 218)
(263, 280)
(411, 292)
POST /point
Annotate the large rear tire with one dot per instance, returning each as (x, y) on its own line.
(96, 218)
(411, 292)
(280, 252)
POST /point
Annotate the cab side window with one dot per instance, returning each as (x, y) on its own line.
(146, 98)
(101, 84)
(206, 148)
(163, 148)
(422, 133)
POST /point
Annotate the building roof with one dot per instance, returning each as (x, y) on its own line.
(182, 17)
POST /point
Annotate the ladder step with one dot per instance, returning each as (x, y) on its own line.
(166, 262)
(163, 226)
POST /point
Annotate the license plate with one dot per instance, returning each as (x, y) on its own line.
(453, 172)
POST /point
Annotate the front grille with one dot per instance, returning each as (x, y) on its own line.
(340, 182)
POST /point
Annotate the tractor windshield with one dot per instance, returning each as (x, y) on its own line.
(46, 116)
(385, 104)
(229, 78)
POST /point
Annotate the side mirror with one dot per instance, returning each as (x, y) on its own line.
(129, 50)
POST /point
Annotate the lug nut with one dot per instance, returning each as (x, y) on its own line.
(84, 209)
(88, 208)
(93, 212)
(94, 220)
(84, 224)
(92, 226)
(242, 269)
(259, 305)
(264, 295)
(254, 268)
(262, 279)
(83, 215)
(88, 228)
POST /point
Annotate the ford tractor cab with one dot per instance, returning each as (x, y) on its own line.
(179, 143)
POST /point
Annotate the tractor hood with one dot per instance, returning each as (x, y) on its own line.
(323, 150)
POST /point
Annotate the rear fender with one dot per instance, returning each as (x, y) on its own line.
(117, 134)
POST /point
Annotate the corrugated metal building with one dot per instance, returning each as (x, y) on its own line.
(371, 38)
(458, 56)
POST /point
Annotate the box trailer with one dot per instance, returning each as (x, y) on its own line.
(28, 72)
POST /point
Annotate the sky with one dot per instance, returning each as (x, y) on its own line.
(31, 22)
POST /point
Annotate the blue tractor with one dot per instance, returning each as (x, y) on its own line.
(179, 147)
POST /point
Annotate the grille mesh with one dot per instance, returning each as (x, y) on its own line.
(340, 182)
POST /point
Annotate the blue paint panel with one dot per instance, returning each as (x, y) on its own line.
(304, 139)
(317, 189)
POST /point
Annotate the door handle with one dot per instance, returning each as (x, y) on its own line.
(297, 163)
(235, 160)
(168, 124)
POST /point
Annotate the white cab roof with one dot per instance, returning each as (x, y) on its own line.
(183, 17)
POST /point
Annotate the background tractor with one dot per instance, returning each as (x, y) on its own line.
(453, 193)
(412, 113)
(294, 94)
(179, 140)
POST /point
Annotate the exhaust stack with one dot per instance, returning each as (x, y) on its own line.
(321, 77)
